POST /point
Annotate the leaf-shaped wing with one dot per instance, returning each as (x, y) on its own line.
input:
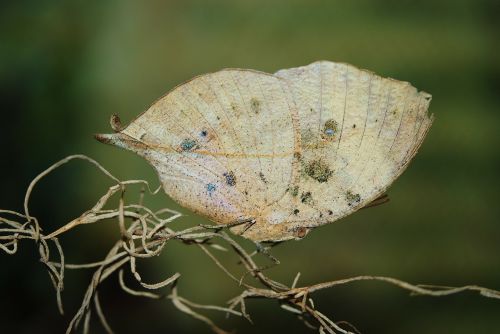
(221, 143)
(358, 133)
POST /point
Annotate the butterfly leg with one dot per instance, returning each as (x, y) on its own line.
(377, 201)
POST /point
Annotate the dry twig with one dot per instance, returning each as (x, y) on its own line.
(144, 234)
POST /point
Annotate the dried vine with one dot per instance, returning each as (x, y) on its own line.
(145, 233)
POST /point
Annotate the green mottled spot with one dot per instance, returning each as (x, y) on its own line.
(188, 144)
(306, 198)
(352, 198)
(295, 191)
(255, 105)
(330, 129)
(318, 170)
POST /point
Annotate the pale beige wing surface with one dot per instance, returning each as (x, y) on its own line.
(291, 151)
(222, 143)
(358, 133)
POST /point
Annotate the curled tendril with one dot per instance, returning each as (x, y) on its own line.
(144, 234)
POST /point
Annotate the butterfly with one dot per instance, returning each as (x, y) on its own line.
(283, 153)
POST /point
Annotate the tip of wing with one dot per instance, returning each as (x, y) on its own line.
(121, 140)
(105, 138)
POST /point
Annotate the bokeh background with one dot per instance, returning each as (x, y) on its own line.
(66, 66)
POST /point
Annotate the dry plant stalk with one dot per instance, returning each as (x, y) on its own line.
(145, 233)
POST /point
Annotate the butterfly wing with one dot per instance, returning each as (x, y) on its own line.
(358, 133)
(222, 143)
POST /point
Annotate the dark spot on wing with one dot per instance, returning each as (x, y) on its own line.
(255, 105)
(352, 199)
(230, 178)
(188, 144)
(330, 129)
(306, 198)
(211, 188)
(318, 170)
(262, 177)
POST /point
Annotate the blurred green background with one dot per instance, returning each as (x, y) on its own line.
(66, 66)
